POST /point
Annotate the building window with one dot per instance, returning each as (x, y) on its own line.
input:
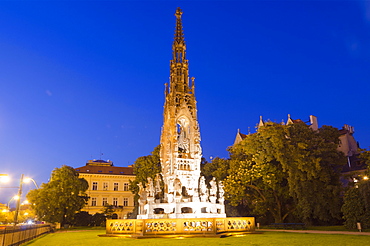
(105, 201)
(115, 202)
(115, 186)
(125, 187)
(95, 186)
(93, 201)
(125, 202)
(105, 186)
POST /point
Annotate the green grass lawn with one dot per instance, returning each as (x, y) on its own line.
(90, 238)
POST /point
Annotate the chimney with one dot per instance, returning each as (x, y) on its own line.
(314, 125)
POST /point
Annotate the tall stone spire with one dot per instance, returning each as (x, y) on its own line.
(185, 193)
(179, 71)
(179, 33)
(180, 140)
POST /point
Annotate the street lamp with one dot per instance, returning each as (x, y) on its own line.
(16, 197)
(27, 180)
(19, 195)
(25, 202)
(18, 201)
(4, 178)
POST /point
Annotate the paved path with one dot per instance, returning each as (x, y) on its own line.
(320, 232)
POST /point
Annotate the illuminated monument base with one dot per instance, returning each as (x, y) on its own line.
(183, 210)
(154, 205)
(181, 217)
(175, 228)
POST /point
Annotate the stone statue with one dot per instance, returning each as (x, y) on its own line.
(158, 189)
(182, 138)
(142, 198)
(221, 190)
(150, 187)
(203, 190)
(213, 190)
(202, 186)
(178, 187)
(170, 186)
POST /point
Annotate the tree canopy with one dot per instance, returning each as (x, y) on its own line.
(218, 168)
(60, 198)
(356, 207)
(286, 170)
(144, 167)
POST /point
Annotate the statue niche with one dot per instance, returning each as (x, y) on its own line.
(183, 137)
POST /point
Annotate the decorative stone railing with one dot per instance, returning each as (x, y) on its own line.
(180, 227)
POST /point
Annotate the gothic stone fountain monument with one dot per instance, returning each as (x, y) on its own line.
(186, 206)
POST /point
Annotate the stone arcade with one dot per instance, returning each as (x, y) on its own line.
(186, 206)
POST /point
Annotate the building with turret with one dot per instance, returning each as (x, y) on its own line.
(347, 143)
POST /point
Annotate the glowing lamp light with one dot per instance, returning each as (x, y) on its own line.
(25, 202)
(366, 178)
(4, 178)
(27, 180)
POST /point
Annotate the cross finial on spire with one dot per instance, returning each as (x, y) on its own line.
(178, 13)
(179, 74)
(179, 35)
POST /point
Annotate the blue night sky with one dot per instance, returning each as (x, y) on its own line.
(80, 78)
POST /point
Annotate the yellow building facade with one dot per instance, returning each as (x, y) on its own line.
(108, 184)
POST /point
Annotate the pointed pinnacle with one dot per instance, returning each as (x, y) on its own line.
(178, 13)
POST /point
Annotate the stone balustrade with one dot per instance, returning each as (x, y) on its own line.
(189, 227)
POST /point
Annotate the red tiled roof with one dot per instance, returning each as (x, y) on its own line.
(297, 121)
(106, 170)
(242, 135)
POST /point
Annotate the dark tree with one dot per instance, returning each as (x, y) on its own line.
(288, 170)
(61, 198)
(144, 167)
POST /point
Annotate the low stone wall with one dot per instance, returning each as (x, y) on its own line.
(201, 227)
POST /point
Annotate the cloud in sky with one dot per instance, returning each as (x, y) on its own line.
(48, 93)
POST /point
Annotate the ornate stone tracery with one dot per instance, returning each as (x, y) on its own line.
(186, 194)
